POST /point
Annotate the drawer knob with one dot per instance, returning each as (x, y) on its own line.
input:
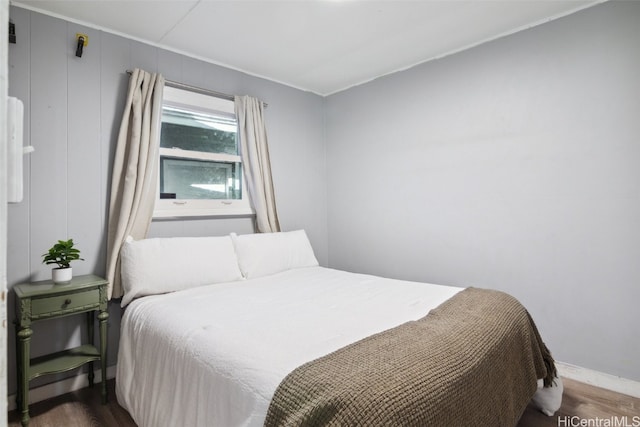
(67, 301)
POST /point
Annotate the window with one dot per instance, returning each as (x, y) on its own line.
(200, 163)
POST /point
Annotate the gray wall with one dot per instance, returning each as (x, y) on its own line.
(73, 108)
(513, 165)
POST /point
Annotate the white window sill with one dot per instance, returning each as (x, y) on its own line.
(168, 208)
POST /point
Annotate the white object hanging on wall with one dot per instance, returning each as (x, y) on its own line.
(15, 149)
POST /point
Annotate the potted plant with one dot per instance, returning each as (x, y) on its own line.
(62, 253)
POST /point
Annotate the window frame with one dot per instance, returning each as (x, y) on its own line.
(184, 208)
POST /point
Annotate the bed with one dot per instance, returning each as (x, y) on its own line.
(250, 331)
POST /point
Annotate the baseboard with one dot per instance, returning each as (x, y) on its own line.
(588, 376)
(599, 379)
(61, 387)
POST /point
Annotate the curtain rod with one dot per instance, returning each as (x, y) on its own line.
(201, 90)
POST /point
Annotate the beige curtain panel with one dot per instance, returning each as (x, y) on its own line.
(134, 178)
(256, 163)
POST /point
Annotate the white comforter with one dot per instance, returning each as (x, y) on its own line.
(214, 355)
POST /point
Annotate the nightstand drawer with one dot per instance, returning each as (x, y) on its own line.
(59, 304)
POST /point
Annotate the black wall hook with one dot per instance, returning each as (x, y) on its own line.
(80, 46)
(12, 32)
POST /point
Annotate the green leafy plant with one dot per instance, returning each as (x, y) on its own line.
(62, 253)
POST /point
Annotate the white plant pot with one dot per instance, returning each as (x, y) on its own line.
(62, 275)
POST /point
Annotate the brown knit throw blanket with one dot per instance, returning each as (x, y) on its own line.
(472, 361)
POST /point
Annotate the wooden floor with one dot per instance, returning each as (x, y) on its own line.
(83, 408)
(587, 403)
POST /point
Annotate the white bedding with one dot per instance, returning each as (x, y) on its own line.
(214, 355)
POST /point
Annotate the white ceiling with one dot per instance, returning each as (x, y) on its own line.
(323, 46)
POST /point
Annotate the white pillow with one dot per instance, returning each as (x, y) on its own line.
(161, 265)
(548, 399)
(263, 254)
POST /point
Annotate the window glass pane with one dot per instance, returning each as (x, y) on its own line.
(199, 179)
(195, 131)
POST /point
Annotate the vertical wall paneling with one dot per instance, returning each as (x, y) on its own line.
(144, 56)
(227, 81)
(18, 213)
(193, 72)
(18, 233)
(170, 65)
(48, 215)
(84, 216)
(49, 185)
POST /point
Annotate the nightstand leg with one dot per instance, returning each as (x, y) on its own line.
(91, 341)
(19, 367)
(102, 317)
(24, 336)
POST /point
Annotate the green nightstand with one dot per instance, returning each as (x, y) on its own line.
(45, 300)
